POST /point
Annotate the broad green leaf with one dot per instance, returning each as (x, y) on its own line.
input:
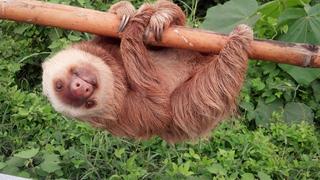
(216, 169)
(2, 165)
(247, 176)
(27, 154)
(82, 2)
(263, 176)
(223, 18)
(316, 89)
(21, 28)
(50, 163)
(293, 3)
(24, 174)
(314, 11)
(49, 167)
(297, 112)
(264, 112)
(291, 15)
(271, 9)
(304, 27)
(11, 170)
(304, 30)
(302, 75)
(275, 8)
(15, 161)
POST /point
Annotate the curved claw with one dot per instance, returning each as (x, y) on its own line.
(158, 33)
(124, 21)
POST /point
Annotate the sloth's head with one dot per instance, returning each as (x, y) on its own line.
(77, 83)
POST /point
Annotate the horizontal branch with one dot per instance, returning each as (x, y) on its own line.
(106, 24)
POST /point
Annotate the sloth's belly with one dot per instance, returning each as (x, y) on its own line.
(177, 65)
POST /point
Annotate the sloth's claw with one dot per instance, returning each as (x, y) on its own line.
(124, 10)
(123, 23)
(158, 33)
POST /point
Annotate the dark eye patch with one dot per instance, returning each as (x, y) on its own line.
(90, 103)
(59, 86)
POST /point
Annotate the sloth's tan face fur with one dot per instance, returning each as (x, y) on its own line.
(77, 83)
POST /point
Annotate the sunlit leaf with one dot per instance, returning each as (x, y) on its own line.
(275, 8)
(27, 154)
(223, 18)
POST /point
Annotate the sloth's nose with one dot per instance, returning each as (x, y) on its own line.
(80, 88)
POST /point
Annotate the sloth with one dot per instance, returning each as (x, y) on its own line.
(137, 91)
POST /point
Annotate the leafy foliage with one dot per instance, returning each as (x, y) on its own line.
(222, 18)
(294, 21)
(268, 141)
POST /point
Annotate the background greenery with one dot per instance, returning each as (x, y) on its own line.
(276, 135)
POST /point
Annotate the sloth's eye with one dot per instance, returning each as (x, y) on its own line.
(59, 86)
(90, 104)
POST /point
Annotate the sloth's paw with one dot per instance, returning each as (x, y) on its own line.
(124, 10)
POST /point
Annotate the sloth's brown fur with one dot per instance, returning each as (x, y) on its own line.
(175, 94)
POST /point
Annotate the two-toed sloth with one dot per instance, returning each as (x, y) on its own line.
(135, 91)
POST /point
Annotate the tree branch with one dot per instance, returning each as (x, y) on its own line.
(102, 23)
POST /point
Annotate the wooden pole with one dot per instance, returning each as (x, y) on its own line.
(102, 23)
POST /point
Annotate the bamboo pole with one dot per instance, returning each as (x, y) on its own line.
(106, 24)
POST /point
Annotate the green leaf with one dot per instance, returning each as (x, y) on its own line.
(247, 176)
(15, 161)
(276, 7)
(85, 139)
(297, 112)
(223, 18)
(50, 163)
(27, 154)
(263, 176)
(257, 84)
(316, 89)
(301, 75)
(304, 27)
(21, 28)
(23, 112)
(74, 38)
(216, 169)
(81, 2)
(291, 15)
(11, 170)
(2, 165)
(24, 174)
(118, 152)
(271, 9)
(264, 112)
